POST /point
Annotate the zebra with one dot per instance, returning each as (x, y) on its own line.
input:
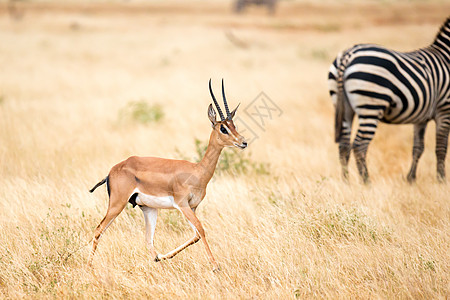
(379, 84)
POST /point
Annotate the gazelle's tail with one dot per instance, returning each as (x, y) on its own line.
(105, 180)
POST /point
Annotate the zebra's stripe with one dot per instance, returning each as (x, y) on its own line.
(379, 84)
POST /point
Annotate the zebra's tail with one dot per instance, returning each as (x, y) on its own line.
(105, 180)
(340, 105)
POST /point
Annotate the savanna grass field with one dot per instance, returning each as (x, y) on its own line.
(86, 84)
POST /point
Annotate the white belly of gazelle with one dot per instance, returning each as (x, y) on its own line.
(154, 201)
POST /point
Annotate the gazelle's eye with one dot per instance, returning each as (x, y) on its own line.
(223, 130)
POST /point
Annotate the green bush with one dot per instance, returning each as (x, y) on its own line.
(141, 112)
(231, 162)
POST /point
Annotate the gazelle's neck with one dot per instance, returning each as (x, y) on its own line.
(208, 163)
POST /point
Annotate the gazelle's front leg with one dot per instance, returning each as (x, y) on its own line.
(150, 217)
(180, 248)
(199, 234)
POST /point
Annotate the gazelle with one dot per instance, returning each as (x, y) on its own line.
(157, 183)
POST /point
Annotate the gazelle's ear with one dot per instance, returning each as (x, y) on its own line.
(234, 111)
(212, 115)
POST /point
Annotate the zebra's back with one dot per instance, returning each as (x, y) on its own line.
(395, 86)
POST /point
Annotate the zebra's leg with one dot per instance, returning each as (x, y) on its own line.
(418, 147)
(442, 131)
(366, 131)
(344, 143)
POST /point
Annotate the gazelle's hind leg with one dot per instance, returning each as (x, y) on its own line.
(111, 214)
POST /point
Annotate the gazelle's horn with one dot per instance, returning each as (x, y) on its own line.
(215, 102)
(225, 102)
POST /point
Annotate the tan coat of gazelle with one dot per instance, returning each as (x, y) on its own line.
(156, 183)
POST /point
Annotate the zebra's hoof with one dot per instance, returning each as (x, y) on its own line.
(366, 181)
(157, 258)
(411, 179)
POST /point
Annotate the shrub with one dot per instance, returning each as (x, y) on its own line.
(231, 162)
(141, 112)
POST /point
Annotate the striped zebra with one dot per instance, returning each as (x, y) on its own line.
(379, 84)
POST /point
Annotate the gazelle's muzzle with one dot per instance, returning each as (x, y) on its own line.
(242, 144)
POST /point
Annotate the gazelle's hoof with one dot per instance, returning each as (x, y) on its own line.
(216, 269)
(157, 258)
(90, 260)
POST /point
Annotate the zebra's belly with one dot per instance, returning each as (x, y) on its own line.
(391, 115)
(395, 111)
(410, 115)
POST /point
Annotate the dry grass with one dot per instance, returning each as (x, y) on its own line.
(69, 71)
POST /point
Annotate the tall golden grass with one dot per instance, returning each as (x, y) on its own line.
(69, 72)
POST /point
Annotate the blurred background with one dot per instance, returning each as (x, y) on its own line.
(69, 66)
(85, 84)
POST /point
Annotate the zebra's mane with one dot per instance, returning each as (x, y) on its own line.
(445, 28)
